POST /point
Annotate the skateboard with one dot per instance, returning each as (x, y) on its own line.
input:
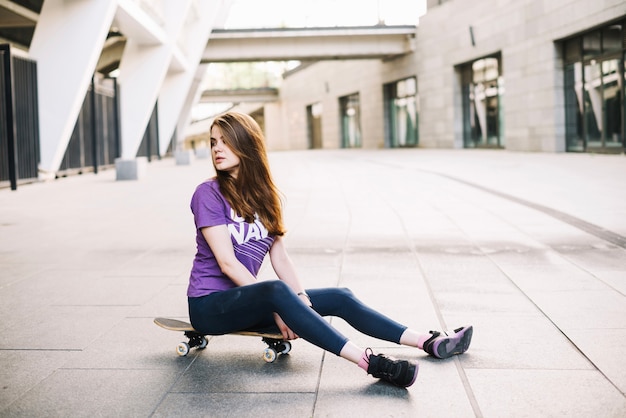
(275, 343)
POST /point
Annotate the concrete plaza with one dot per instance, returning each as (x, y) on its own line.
(529, 248)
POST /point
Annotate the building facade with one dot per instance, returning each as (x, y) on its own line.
(530, 75)
(109, 81)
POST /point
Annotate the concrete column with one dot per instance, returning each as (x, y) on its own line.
(180, 87)
(193, 96)
(67, 42)
(144, 64)
(159, 63)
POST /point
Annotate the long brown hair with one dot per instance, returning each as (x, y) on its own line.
(253, 191)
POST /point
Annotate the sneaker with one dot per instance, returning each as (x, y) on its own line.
(398, 372)
(442, 345)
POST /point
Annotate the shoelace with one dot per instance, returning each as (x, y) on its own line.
(367, 356)
(386, 367)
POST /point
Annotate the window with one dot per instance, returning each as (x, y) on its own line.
(594, 90)
(612, 38)
(573, 107)
(314, 125)
(350, 108)
(482, 86)
(401, 113)
(591, 45)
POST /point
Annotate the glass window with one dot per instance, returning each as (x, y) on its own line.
(500, 114)
(492, 70)
(407, 87)
(612, 38)
(591, 45)
(4, 158)
(314, 125)
(574, 107)
(478, 71)
(482, 104)
(350, 121)
(401, 110)
(594, 91)
(593, 104)
(612, 102)
(572, 50)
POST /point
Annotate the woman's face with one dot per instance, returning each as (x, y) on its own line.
(224, 159)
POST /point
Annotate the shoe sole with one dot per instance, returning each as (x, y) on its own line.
(455, 344)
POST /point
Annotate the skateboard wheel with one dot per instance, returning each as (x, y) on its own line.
(182, 349)
(286, 347)
(269, 355)
(204, 343)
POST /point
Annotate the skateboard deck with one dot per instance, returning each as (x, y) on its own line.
(275, 343)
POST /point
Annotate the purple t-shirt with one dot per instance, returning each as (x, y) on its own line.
(251, 241)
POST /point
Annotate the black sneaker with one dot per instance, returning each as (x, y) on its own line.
(442, 345)
(398, 372)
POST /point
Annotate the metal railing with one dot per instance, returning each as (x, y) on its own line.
(95, 141)
(19, 119)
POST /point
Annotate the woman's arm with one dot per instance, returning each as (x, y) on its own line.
(284, 268)
(219, 240)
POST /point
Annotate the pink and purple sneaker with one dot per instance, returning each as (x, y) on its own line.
(444, 345)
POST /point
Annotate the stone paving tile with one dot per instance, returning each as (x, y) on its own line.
(234, 364)
(601, 309)
(606, 349)
(23, 370)
(62, 327)
(614, 278)
(349, 391)
(233, 404)
(94, 392)
(169, 302)
(135, 343)
(530, 341)
(532, 393)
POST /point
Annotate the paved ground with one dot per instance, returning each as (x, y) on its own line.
(529, 248)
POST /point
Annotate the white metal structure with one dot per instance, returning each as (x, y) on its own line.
(165, 40)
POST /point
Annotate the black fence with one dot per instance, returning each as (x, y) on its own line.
(19, 119)
(95, 141)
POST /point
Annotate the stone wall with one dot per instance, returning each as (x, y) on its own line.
(526, 34)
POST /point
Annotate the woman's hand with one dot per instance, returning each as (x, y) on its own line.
(288, 334)
(306, 299)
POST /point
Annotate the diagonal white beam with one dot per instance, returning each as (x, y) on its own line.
(143, 67)
(191, 40)
(159, 63)
(66, 45)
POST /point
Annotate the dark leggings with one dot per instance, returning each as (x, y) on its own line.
(251, 308)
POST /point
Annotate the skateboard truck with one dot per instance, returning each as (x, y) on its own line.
(195, 340)
(275, 343)
(274, 348)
